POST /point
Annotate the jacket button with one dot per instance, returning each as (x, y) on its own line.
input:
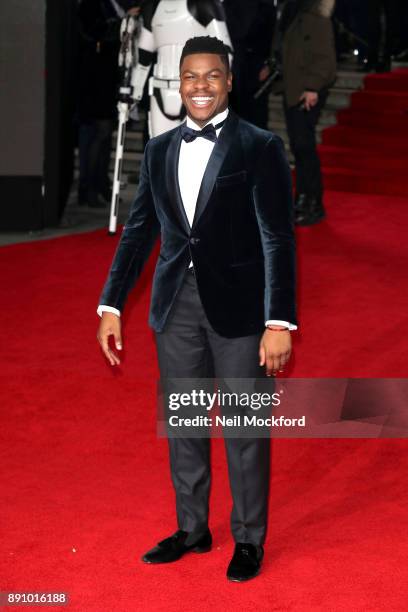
(194, 240)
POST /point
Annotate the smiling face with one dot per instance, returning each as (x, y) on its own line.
(204, 85)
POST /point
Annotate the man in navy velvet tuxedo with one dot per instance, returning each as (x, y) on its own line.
(218, 190)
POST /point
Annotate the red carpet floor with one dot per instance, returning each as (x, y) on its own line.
(85, 487)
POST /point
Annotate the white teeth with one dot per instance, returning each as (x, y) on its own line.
(202, 100)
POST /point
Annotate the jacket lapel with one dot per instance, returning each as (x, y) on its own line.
(172, 183)
(215, 162)
(212, 170)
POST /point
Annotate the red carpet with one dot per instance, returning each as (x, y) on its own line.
(85, 486)
(367, 151)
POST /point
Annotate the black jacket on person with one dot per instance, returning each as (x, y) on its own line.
(250, 24)
(98, 72)
(241, 241)
(308, 49)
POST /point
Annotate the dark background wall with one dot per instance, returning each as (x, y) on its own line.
(60, 103)
(22, 73)
(37, 108)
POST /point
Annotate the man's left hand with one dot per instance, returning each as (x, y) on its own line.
(274, 350)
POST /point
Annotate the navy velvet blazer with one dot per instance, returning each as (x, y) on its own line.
(241, 241)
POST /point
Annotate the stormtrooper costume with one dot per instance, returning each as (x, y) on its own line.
(167, 25)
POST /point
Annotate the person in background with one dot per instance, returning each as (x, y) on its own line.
(309, 68)
(383, 21)
(251, 26)
(99, 25)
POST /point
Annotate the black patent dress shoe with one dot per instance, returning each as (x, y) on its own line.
(301, 202)
(173, 548)
(313, 212)
(245, 563)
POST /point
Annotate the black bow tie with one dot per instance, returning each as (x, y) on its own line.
(209, 132)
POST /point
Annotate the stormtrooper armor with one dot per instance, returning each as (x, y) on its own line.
(167, 25)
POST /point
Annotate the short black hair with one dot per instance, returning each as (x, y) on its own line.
(206, 44)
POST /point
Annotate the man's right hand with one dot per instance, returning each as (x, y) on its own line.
(309, 99)
(110, 325)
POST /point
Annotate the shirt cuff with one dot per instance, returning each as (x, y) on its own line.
(290, 326)
(102, 308)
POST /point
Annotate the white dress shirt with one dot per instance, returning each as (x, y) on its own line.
(193, 160)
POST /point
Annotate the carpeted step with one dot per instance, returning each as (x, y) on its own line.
(358, 181)
(396, 81)
(350, 157)
(380, 100)
(388, 120)
(349, 136)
